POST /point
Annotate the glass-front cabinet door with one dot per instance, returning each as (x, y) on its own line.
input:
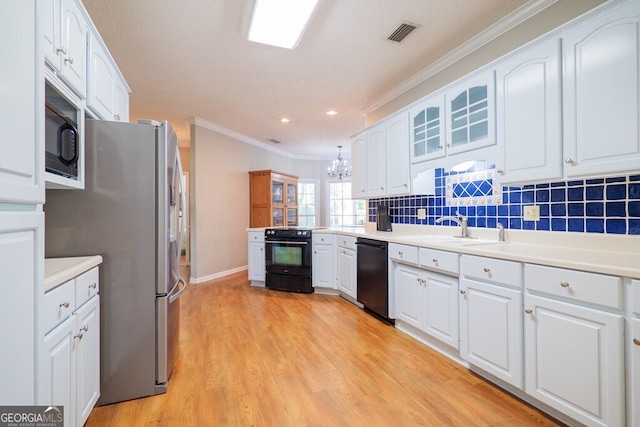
(470, 113)
(292, 194)
(277, 192)
(277, 219)
(427, 130)
(292, 217)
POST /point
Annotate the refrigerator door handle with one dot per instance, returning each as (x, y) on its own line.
(174, 296)
(182, 229)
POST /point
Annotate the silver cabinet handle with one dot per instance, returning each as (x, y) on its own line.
(382, 188)
(64, 304)
(448, 145)
(85, 328)
(79, 336)
(564, 284)
(400, 253)
(435, 260)
(636, 341)
(440, 147)
(93, 286)
(500, 172)
(117, 117)
(569, 161)
(69, 60)
(528, 311)
(486, 270)
(462, 292)
(62, 50)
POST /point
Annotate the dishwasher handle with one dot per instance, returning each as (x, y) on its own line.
(372, 245)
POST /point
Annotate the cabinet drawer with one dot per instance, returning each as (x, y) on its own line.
(86, 286)
(57, 305)
(635, 284)
(439, 260)
(256, 236)
(348, 242)
(575, 285)
(403, 253)
(492, 270)
(322, 239)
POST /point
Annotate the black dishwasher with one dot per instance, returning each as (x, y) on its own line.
(372, 277)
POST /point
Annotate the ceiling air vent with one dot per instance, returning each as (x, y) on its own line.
(275, 141)
(402, 32)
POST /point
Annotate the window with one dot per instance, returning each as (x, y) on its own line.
(342, 210)
(307, 203)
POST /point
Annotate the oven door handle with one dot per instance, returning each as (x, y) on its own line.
(278, 242)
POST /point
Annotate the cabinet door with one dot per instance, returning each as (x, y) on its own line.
(441, 307)
(409, 295)
(427, 130)
(49, 21)
(87, 358)
(634, 343)
(470, 112)
(529, 115)
(74, 39)
(491, 329)
(121, 103)
(376, 161)
(102, 79)
(573, 359)
(256, 261)
(601, 103)
(397, 148)
(358, 168)
(22, 267)
(22, 158)
(347, 271)
(57, 369)
(322, 263)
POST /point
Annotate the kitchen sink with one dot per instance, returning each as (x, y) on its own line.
(449, 240)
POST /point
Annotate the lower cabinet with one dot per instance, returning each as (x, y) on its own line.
(69, 365)
(323, 271)
(347, 265)
(427, 301)
(256, 257)
(491, 317)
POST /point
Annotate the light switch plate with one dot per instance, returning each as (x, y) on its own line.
(532, 213)
(422, 213)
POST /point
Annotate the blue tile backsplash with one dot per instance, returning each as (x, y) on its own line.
(604, 205)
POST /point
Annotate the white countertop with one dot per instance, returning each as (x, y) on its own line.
(60, 270)
(617, 255)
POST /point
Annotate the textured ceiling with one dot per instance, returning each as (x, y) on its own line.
(192, 59)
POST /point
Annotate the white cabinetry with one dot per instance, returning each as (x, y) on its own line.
(470, 113)
(107, 93)
(529, 115)
(256, 258)
(347, 265)
(358, 167)
(427, 129)
(397, 159)
(21, 196)
(633, 342)
(491, 316)
(63, 38)
(375, 151)
(600, 93)
(69, 365)
(323, 260)
(574, 351)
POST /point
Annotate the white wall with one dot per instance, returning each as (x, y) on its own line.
(219, 203)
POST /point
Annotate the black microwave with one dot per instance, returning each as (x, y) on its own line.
(61, 142)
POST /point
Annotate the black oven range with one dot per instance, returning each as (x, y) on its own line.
(288, 259)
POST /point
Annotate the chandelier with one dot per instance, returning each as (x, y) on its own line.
(339, 168)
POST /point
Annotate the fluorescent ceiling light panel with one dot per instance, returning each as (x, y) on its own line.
(280, 23)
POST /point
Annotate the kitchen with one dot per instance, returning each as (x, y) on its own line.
(214, 224)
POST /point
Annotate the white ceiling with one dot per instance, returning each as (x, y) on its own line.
(192, 59)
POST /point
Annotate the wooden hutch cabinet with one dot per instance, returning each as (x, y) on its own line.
(273, 198)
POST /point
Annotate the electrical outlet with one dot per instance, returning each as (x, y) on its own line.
(532, 213)
(422, 213)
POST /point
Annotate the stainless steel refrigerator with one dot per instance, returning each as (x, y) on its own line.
(131, 213)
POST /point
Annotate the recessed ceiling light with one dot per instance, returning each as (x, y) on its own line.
(284, 120)
(331, 113)
(280, 23)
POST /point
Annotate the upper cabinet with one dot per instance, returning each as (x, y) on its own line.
(398, 156)
(358, 167)
(375, 151)
(63, 40)
(600, 93)
(470, 113)
(273, 198)
(427, 129)
(529, 115)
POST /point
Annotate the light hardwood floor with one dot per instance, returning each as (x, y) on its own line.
(254, 357)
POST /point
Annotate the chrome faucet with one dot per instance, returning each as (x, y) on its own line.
(501, 232)
(458, 219)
